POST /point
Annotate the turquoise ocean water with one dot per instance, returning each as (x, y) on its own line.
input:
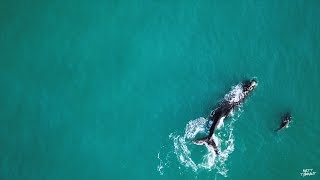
(111, 89)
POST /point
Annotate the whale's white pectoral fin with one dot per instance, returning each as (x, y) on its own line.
(220, 122)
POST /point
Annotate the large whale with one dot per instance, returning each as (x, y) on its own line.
(225, 107)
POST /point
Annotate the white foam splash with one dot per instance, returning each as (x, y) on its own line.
(210, 160)
(180, 147)
(160, 166)
(163, 161)
(235, 95)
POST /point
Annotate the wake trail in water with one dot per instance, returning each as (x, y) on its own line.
(210, 161)
(182, 148)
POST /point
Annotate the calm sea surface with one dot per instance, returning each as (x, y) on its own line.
(118, 89)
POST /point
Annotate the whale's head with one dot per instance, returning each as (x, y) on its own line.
(249, 85)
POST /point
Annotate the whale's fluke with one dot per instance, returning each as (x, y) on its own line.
(207, 141)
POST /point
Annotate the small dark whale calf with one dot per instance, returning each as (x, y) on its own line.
(285, 120)
(224, 109)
